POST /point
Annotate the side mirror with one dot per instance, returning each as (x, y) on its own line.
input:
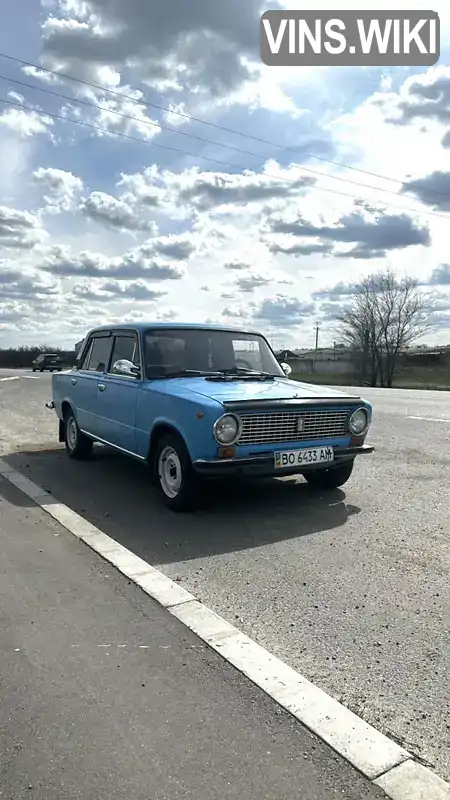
(286, 368)
(125, 367)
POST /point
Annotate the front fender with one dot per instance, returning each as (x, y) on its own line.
(167, 422)
(190, 416)
(199, 443)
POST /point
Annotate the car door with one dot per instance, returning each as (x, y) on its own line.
(86, 380)
(117, 401)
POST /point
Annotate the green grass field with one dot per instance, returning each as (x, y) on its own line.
(417, 378)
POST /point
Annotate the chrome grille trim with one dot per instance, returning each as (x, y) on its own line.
(271, 428)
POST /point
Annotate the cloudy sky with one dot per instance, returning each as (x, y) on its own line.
(178, 178)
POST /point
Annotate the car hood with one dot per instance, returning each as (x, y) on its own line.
(277, 389)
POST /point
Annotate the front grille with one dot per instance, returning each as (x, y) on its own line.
(284, 426)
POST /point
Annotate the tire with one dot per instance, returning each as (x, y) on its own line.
(78, 446)
(175, 478)
(34, 369)
(329, 479)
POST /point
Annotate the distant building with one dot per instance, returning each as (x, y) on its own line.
(78, 347)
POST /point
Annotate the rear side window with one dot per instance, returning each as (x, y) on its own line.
(97, 354)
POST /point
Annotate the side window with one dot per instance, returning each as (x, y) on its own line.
(97, 354)
(125, 347)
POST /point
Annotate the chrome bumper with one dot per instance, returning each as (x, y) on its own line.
(263, 463)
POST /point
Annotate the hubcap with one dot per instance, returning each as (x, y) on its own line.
(170, 472)
(72, 434)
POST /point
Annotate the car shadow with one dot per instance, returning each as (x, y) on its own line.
(114, 493)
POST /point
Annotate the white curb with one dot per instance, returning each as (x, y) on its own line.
(378, 758)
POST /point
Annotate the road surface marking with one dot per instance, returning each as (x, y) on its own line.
(377, 757)
(432, 419)
(421, 783)
(13, 378)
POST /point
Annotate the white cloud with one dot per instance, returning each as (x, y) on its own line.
(63, 188)
(117, 214)
(121, 113)
(284, 311)
(19, 229)
(25, 123)
(116, 291)
(141, 262)
(203, 46)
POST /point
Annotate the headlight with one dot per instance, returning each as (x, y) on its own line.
(358, 422)
(226, 429)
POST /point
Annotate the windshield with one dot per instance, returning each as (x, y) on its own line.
(187, 350)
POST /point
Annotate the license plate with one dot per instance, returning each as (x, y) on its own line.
(296, 458)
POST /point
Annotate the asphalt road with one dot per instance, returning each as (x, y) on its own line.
(105, 694)
(352, 589)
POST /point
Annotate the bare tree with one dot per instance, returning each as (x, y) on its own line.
(386, 316)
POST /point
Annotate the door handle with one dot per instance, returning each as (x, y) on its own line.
(73, 381)
(101, 387)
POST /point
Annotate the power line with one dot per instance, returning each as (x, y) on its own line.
(128, 116)
(207, 158)
(214, 125)
(150, 123)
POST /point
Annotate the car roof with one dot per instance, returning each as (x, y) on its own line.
(143, 326)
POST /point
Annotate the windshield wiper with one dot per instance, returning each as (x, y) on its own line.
(218, 375)
(246, 372)
(191, 373)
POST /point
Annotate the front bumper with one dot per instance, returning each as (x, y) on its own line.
(263, 463)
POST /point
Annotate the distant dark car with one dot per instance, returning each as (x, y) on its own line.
(49, 361)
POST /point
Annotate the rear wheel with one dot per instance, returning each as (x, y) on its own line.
(78, 445)
(329, 478)
(175, 477)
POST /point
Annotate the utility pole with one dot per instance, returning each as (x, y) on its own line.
(317, 329)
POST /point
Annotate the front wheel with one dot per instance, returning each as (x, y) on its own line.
(78, 445)
(175, 477)
(329, 478)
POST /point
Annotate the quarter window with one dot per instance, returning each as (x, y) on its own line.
(83, 364)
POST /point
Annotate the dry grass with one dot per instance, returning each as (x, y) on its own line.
(415, 378)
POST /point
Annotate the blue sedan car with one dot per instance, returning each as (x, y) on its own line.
(201, 401)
